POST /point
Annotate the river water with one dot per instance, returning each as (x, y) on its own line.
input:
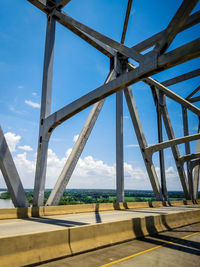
(6, 203)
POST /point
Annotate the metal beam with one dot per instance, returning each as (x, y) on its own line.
(119, 148)
(74, 156)
(191, 21)
(142, 143)
(175, 150)
(120, 66)
(164, 62)
(194, 163)
(40, 174)
(61, 3)
(196, 181)
(196, 171)
(44, 5)
(173, 95)
(158, 100)
(181, 78)
(128, 10)
(154, 148)
(193, 93)
(175, 24)
(189, 157)
(187, 150)
(10, 174)
(194, 99)
(105, 49)
(67, 21)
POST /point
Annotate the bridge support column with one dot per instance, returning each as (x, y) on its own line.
(40, 175)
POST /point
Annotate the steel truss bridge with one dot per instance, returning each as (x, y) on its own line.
(122, 75)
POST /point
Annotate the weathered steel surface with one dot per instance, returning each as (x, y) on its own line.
(11, 175)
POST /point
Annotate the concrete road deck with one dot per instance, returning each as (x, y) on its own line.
(177, 248)
(14, 227)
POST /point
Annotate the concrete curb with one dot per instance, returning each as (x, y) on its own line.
(16, 213)
(20, 250)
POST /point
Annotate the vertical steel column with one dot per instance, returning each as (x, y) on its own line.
(11, 175)
(161, 152)
(143, 143)
(119, 147)
(196, 171)
(74, 156)
(120, 67)
(175, 150)
(158, 100)
(187, 150)
(40, 175)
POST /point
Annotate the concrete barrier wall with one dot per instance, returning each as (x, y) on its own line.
(15, 213)
(38, 247)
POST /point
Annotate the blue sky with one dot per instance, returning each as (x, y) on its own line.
(78, 69)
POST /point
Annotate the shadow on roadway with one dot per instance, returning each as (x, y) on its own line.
(58, 222)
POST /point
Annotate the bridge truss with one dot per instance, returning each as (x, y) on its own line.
(122, 75)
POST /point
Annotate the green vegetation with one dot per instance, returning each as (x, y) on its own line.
(5, 195)
(86, 196)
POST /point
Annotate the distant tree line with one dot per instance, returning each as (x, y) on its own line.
(86, 196)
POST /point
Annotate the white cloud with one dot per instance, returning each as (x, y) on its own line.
(20, 86)
(75, 138)
(132, 145)
(34, 93)
(12, 140)
(32, 104)
(26, 148)
(170, 173)
(89, 172)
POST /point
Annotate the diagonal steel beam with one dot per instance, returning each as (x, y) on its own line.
(128, 10)
(194, 99)
(105, 49)
(74, 156)
(175, 150)
(172, 95)
(61, 3)
(67, 21)
(193, 93)
(142, 143)
(175, 24)
(158, 100)
(192, 20)
(44, 5)
(171, 136)
(181, 78)
(10, 174)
